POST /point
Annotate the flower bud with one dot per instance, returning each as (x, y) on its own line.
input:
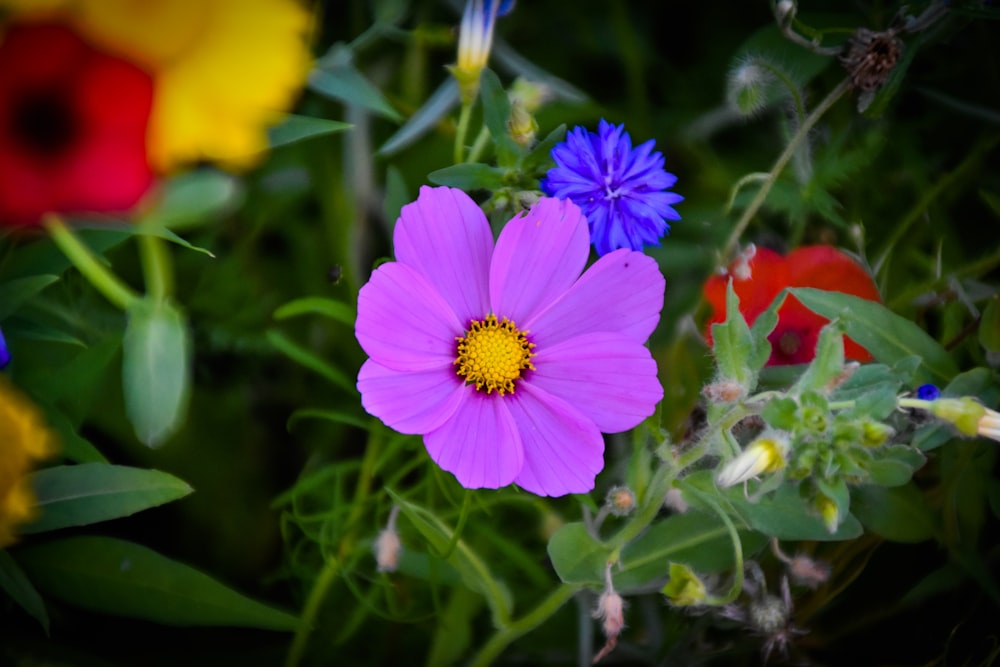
(875, 433)
(829, 511)
(388, 546)
(685, 588)
(763, 455)
(747, 86)
(522, 125)
(620, 501)
(965, 413)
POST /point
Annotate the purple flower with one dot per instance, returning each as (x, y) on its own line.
(506, 359)
(620, 189)
(4, 352)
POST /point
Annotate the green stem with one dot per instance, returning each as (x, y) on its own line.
(89, 266)
(461, 131)
(479, 145)
(734, 536)
(331, 568)
(157, 268)
(786, 155)
(329, 574)
(507, 634)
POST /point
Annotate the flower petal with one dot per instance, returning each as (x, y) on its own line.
(403, 323)
(480, 443)
(563, 450)
(445, 236)
(410, 402)
(608, 377)
(621, 292)
(538, 257)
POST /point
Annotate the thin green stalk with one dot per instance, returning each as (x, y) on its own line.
(157, 268)
(734, 537)
(89, 266)
(507, 634)
(479, 145)
(331, 569)
(462, 130)
(782, 161)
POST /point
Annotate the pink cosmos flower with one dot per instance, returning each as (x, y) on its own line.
(507, 360)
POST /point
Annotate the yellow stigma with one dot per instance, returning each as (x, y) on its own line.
(492, 355)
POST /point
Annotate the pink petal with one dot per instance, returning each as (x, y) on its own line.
(480, 443)
(410, 402)
(608, 377)
(538, 257)
(445, 235)
(563, 450)
(403, 323)
(621, 292)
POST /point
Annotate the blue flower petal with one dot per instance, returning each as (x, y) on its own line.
(621, 190)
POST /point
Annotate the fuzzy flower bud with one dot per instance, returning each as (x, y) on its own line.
(685, 588)
(766, 454)
(724, 391)
(388, 546)
(620, 501)
(747, 86)
(610, 611)
(674, 500)
(874, 434)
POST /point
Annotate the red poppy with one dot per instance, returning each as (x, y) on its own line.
(72, 126)
(760, 279)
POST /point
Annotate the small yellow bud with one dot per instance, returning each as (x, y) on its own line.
(965, 413)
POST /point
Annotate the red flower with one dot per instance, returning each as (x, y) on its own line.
(72, 126)
(793, 340)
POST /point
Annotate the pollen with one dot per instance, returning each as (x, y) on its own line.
(492, 354)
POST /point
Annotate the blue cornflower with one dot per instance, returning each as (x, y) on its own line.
(928, 392)
(4, 352)
(621, 190)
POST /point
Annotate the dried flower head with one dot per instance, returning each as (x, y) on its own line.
(620, 500)
(870, 57)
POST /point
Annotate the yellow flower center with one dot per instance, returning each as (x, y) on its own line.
(492, 355)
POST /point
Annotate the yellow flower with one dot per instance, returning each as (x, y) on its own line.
(24, 439)
(223, 69)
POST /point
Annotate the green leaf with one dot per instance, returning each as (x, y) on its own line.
(335, 416)
(697, 539)
(469, 176)
(496, 115)
(540, 156)
(899, 514)
(453, 628)
(885, 334)
(317, 305)
(15, 292)
(341, 81)
(191, 199)
(306, 357)
(895, 465)
(113, 576)
(783, 514)
(79, 495)
(155, 370)
(437, 106)
(474, 572)
(738, 350)
(20, 589)
(576, 556)
(298, 128)
(828, 362)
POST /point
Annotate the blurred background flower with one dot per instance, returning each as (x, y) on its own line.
(24, 439)
(73, 123)
(224, 69)
(760, 278)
